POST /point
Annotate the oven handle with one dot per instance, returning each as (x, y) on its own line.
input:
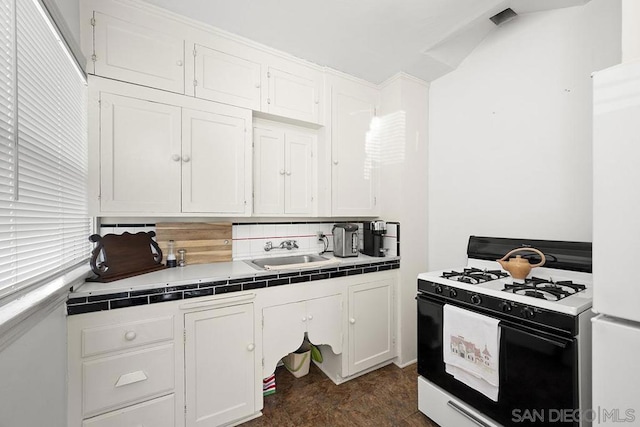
(536, 336)
(466, 413)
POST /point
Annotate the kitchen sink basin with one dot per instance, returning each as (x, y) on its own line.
(284, 261)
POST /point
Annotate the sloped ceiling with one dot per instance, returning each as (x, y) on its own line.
(371, 39)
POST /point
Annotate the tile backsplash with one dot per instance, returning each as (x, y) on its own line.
(249, 239)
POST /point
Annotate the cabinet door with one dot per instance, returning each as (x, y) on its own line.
(226, 78)
(139, 155)
(268, 185)
(299, 177)
(213, 162)
(219, 365)
(371, 336)
(135, 54)
(294, 92)
(283, 328)
(354, 150)
(324, 321)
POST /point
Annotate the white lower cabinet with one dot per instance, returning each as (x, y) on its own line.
(284, 327)
(371, 325)
(219, 365)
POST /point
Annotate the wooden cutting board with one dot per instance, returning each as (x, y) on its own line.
(204, 242)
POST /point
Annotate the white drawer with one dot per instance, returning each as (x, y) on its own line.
(126, 335)
(154, 413)
(112, 382)
(446, 410)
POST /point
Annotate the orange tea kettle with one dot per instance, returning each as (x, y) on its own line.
(520, 267)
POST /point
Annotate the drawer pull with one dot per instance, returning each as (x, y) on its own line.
(251, 347)
(130, 336)
(131, 378)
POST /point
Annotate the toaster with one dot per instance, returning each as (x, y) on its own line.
(345, 240)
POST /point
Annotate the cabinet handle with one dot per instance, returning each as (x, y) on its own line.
(176, 157)
(179, 63)
(130, 336)
(304, 319)
(335, 162)
(131, 378)
(317, 101)
(288, 173)
(257, 85)
(251, 347)
(268, 100)
(310, 317)
(281, 171)
(186, 159)
(352, 320)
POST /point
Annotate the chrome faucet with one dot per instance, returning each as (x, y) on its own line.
(288, 244)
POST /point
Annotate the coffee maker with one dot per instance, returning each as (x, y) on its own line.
(345, 240)
(373, 234)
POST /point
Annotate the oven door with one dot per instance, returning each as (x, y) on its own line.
(538, 371)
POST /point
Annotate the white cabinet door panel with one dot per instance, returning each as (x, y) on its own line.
(370, 325)
(213, 163)
(324, 322)
(219, 365)
(135, 54)
(227, 78)
(300, 173)
(282, 333)
(139, 142)
(268, 185)
(294, 93)
(354, 150)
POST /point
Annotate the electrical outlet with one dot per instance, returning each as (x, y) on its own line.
(320, 236)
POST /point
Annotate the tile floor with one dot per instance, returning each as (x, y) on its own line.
(385, 397)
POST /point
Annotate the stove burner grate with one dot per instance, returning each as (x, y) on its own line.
(544, 288)
(474, 276)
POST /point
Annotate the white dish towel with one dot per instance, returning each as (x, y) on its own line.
(471, 349)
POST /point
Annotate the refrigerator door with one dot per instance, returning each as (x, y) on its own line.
(616, 373)
(616, 198)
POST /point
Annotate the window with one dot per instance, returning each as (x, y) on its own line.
(44, 222)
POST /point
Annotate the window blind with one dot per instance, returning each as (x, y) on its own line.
(44, 222)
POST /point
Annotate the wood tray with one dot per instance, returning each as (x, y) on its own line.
(205, 242)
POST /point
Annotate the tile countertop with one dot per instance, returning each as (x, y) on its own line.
(202, 273)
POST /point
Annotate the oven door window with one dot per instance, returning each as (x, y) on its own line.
(538, 371)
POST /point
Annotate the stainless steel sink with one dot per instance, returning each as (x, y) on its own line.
(285, 260)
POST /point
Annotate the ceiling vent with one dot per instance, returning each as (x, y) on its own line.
(504, 16)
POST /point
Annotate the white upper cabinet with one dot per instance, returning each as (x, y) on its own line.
(355, 148)
(227, 78)
(285, 170)
(293, 91)
(213, 162)
(134, 53)
(139, 143)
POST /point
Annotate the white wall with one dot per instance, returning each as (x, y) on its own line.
(630, 30)
(403, 194)
(510, 132)
(70, 10)
(33, 376)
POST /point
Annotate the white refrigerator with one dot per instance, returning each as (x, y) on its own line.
(616, 246)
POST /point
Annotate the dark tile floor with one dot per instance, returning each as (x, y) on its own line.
(385, 397)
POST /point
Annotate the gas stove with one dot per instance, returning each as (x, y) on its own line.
(563, 291)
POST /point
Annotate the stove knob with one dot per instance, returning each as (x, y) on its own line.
(505, 307)
(438, 289)
(475, 298)
(453, 293)
(528, 312)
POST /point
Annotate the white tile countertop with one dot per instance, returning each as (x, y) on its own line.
(204, 273)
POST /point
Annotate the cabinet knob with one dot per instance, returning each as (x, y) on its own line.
(257, 85)
(251, 347)
(288, 173)
(304, 319)
(130, 335)
(179, 63)
(352, 320)
(186, 159)
(317, 101)
(268, 100)
(310, 317)
(175, 157)
(335, 162)
(281, 171)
